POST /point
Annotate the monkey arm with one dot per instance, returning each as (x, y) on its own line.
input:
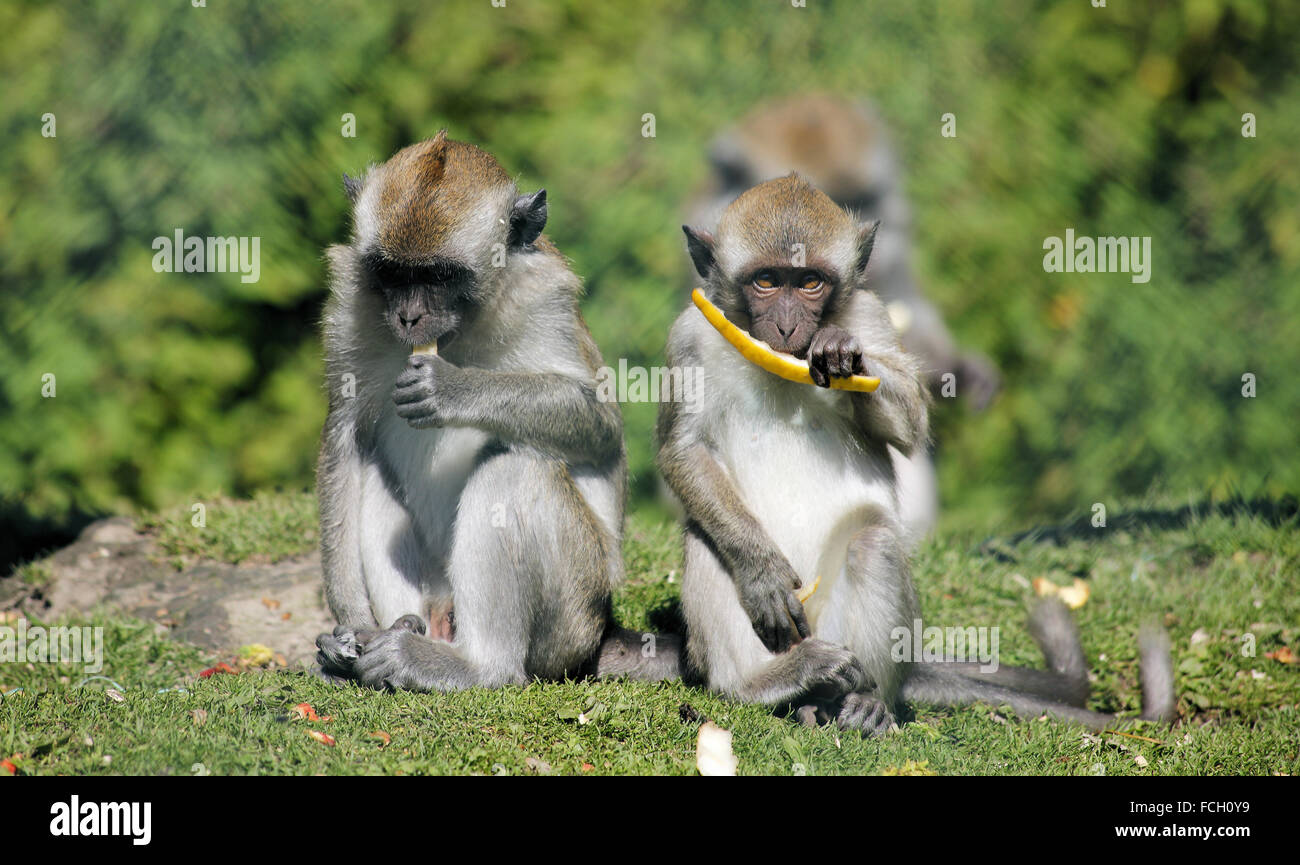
(553, 412)
(549, 411)
(338, 485)
(764, 578)
(898, 411)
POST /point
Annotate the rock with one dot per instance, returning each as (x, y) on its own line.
(214, 605)
(114, 530)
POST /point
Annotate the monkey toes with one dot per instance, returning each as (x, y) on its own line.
(830, 670)
(866, 713)
(411, 622)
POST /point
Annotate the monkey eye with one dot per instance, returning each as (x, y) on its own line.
(810, 282)
(764, 280)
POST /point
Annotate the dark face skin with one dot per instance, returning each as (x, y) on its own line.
(422, 301)
(786, 305)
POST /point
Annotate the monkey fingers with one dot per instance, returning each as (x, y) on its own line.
(416, 397)
(794, 607)
(777, 616)
(834, 353)
(422, 369)
(337, 652)
(419, 399)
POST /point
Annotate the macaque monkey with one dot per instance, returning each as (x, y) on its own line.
(791, 487)
(472, 493)
(842, 148)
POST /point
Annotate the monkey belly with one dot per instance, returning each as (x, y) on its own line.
(434, 466)
(811, 490)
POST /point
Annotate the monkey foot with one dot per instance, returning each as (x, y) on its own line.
(866, 713)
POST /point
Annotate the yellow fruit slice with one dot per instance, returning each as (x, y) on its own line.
(806, 592)
(762, 355)
(430, 348)
(1074, 596)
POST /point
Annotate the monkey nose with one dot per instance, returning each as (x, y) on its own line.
(410, 322)
(786, 332)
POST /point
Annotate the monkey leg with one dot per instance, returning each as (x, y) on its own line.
(874, 597)
(722, 644)
(529, 572)
(393, 559)
(397, 576)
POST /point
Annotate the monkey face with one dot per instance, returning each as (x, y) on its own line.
(786, 305)
(422, 301)
(434, 226)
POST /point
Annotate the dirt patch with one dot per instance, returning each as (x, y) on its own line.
(220, 607)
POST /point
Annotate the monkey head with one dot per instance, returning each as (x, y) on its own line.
(433, 227)
(838, 144)
(784, 257)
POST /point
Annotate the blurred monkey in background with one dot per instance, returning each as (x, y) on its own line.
(842, 148)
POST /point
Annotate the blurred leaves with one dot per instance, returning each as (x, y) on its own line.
(225, 120)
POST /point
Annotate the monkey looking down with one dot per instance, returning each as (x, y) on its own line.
(787, 486)
(471, 501)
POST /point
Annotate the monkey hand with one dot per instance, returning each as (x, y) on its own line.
(426, 391)
(769, 599)
(401, 657)
(834, 353)
(338, 651)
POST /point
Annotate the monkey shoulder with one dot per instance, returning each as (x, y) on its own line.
(865, 316)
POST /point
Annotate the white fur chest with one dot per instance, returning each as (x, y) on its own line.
(434, 465)
(791, 452)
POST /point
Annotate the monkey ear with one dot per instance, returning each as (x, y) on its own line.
(527, 218)
(866, 241)
(352, 186)
(700, 245)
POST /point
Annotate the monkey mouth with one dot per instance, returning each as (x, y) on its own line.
(446, 338)
(777, 342)
(795, 349)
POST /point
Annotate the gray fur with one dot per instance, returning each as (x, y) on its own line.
(485, 484)
(783, 482)
(843, 147)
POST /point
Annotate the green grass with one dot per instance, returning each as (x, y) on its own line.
(1220, 572)
(269, 527)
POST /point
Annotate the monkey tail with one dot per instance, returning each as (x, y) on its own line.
(1159, 702)
(1061, 691)
(944, 686)
(1066, 678)
(644, 657)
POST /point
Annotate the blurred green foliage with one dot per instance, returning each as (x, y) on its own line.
(226, 120)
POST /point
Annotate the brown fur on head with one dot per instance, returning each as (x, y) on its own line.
(432, 227)
(828, 139)
(785, 256)
(429, 190)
